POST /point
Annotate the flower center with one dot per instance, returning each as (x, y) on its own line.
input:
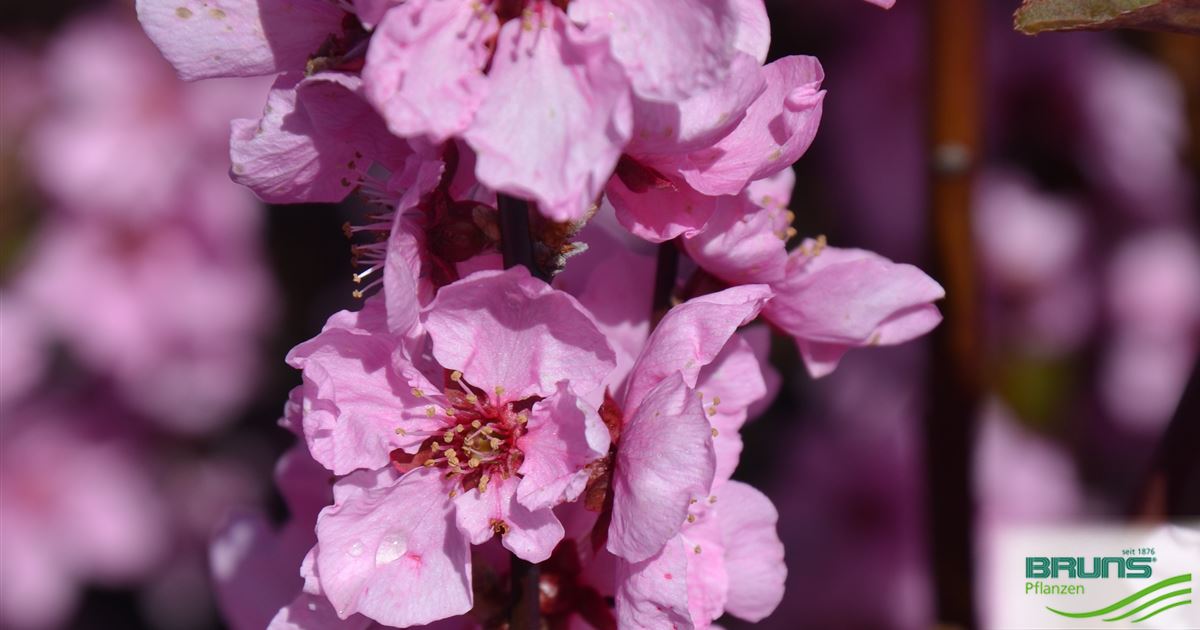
(479, 444)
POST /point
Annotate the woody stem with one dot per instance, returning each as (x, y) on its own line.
(516, 247)
(664, 280)
(516, 244)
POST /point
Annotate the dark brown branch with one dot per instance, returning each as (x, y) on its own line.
(516, 244)
(665, 273)
(956, 30)
(516, 247)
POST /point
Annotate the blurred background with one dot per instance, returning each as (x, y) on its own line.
(146, 305)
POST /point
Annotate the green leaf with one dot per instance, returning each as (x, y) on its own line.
(1037, 16)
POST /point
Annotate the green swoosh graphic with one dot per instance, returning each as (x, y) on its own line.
(1178, 579)
(1185, 591)
(1163, 609)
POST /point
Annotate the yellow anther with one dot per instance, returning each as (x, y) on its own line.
(456, 376)
(522, 418)
(712, 499)
(483, 483)
(716, 400)
(692, 502)
(453, 493)
(495, 443)
(473, 462)
(712, 411)
(430, 411)
(499, 391)
(472, 398)
(416, 391)
(696, 549)
(691, 518)
(429, 463)
(435, 447)
(715, 432)
(475, 424)
(449, 437)
(400, 431)
(460, 428)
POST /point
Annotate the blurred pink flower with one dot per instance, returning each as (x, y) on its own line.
(120, 136)
(23, 347)
(1020, 478)
(1032, 246)
(1134, 112)
(1154, 300)
(58, 535)
(149, 267)
(141, 306)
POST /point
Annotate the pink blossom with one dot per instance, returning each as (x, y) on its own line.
(670, 50)
(750, 128)
(487, 421)
(727, 559)
(316, 141)
(547, 121)
(652, 486)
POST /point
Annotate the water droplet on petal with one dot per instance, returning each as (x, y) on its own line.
(390, 548)
(356, 549)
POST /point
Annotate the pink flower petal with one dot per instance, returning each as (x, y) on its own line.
(708, 581)
(283, 158)
(776, 131)
(309, 612)
(615, 283)
(556, 118)
(753, 551)
(424, 70)
(742, 243)
(690, 336)
(564, 436)
(700, 120)
(530, 534)
(403, 265)
(833, 299)
(660, 214)
(664, 460)
(653, 593)
(731, 384)
(754, 29)
(507, 329)
(354, 400)
(389, 550)
(671, 48)
(238, 38)
(371, 12)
